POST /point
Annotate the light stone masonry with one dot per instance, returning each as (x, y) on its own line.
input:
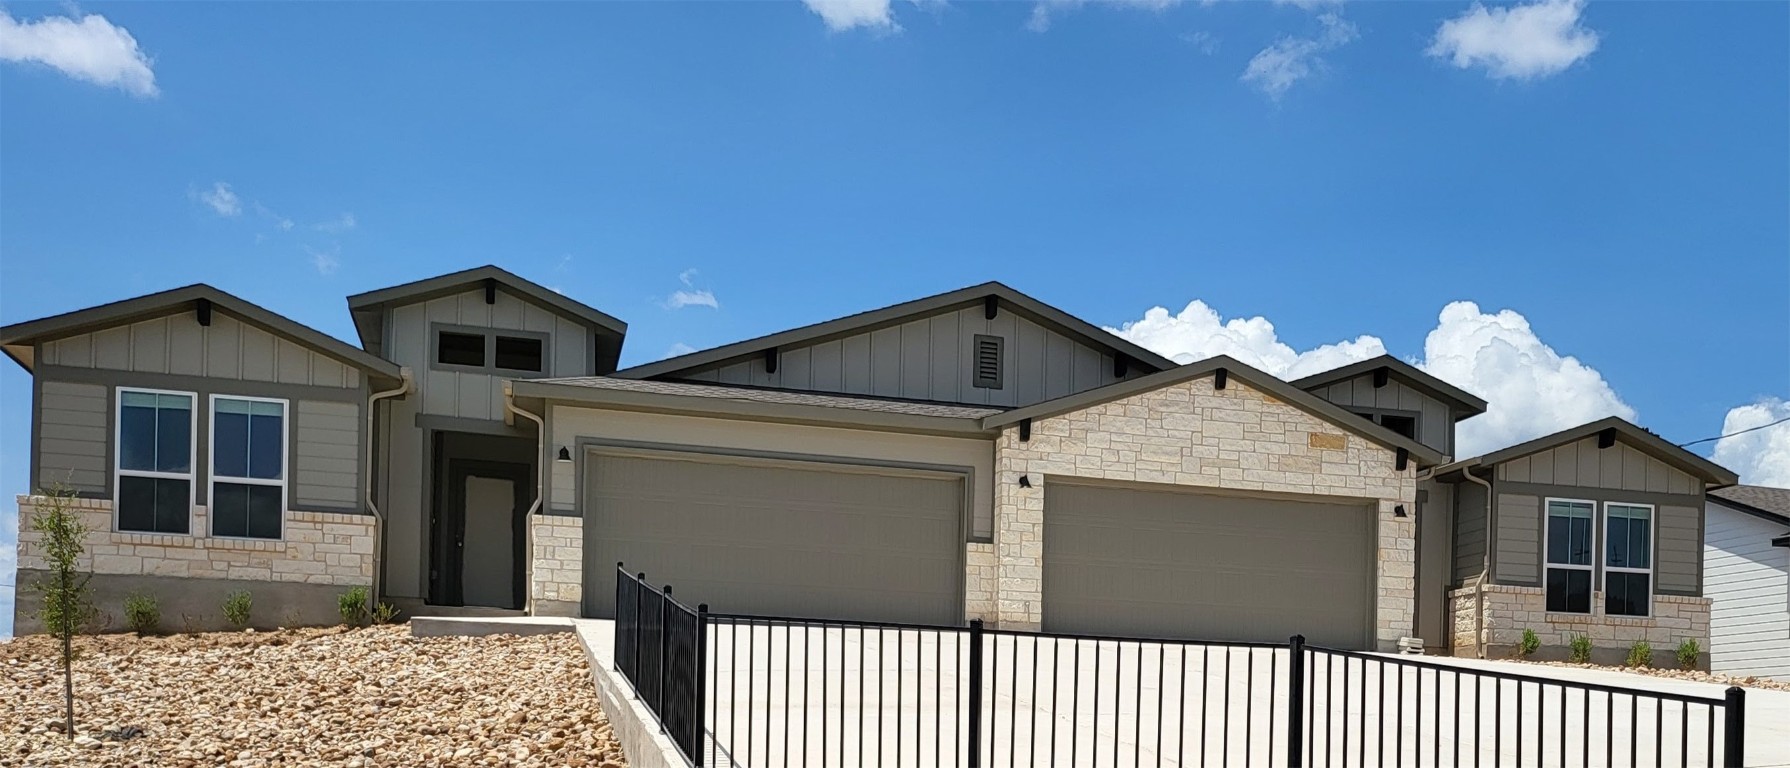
(319, 548)
(556, 567)
(1188, 434)
(1511, 609)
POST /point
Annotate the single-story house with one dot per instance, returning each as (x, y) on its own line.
(973, 454)
(1746, 565)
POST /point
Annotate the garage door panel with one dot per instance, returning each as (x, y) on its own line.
(1131, 561)
(789, 538)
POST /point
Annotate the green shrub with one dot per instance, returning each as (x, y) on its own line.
(237, 606)
(384, 613)
(353, 606)
(1688, 651)
(141, 614)
(1640, 654)
(1530, 644)
(1580, 648)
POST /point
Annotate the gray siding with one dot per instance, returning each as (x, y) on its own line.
(1519, 539)
(568, 352)
(1679, 550)
(178, 344)
(1748, 583)
(326, 454)
(930, 359)
(73, 437)
(1469, 532)
(1435, 568)
(1435, 421)
(1582, 464)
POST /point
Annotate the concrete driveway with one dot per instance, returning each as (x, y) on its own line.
(814, 696)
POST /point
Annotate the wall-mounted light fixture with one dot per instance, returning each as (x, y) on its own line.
(1399, 511)
(565, 455)
(1025, 481)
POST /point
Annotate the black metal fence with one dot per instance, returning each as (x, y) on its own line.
(746, 690)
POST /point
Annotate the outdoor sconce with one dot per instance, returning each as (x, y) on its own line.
(565, 455)
(1399, 511)
(1025, 481)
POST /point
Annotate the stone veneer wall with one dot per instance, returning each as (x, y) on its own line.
(1189, 434)
(319, 548)
(556, 567)
(1510, 609)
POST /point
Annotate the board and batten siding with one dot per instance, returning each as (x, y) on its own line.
(1620, 467)
(1748, 583)
(1435, 421)
(930, 358)
(410, 342)
(178, 344)
(73, 437)
(326, 459)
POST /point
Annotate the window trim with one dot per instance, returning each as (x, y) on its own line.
(1652, 557)
(212, 476)
(1592, 567)
(192, 457)
(490, 335)
(1374, 413)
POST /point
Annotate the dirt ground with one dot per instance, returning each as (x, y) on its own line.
(336, 697)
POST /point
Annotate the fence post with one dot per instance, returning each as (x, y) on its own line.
(639, 597)
(1734, 728)
(621, 583)
(1296, 702)
(975, 686)
(664, 656)
(702, 668)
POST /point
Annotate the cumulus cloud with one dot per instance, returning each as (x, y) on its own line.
(1046, 11)
(221, 198)
(690, 295)
(89, 48)
(1762, 456)
(1278, 67)
(337, 225)
(1530, 389)
(844, 15)
(1519, 43)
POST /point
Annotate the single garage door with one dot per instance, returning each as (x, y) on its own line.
(790, 538)
(1127, 561)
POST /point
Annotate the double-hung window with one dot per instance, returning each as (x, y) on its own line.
(155, 461)
(1628, 559)
(248, 467)
(1569, 555)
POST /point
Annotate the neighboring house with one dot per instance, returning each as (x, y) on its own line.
(1746, 564)
(975, 454)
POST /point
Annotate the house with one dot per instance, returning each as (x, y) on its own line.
(1746, 565)
(973, 454)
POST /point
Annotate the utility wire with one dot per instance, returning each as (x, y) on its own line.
(1731, 434)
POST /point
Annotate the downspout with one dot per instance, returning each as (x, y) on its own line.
(1485, 569)
(404, 383)
(528, 531)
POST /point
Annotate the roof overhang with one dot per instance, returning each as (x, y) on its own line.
(863, 322)
(1748, 509)
(1646, 442)
(1465, 403)
(18, 340)
(750, 410)
(1258, 379)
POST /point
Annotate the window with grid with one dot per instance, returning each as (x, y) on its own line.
(155, 461)
(1628, 559)
(248, 467)
(1569, 556)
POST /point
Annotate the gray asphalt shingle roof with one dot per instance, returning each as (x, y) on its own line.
(1763, 498)
(824, 400)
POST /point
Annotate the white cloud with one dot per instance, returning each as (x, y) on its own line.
(337, 225)
(90, 48)
(1520, 42)
(221, 198)
(1290, 59)
(843, 15)
(690, 295)
(282, 222)
(326, 262)
(1531, 390)
(679, 349)
(1046, 11)
(1760, 457)
(1205, 42)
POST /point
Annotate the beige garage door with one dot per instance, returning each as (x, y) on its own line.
(1151, 563)
(788, 538)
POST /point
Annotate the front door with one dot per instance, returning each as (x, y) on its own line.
(480, 539)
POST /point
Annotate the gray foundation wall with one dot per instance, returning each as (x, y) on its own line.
(189, 604)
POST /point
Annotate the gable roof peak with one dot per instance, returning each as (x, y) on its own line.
(1466, 404)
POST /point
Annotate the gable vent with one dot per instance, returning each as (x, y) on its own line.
(988, 362)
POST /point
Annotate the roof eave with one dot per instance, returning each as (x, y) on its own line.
(418, 290)
(1468, 403)
(752, 410)
(1647, 442)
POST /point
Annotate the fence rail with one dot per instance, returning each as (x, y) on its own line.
(749, 690)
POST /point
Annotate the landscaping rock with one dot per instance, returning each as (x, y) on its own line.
(311, 697)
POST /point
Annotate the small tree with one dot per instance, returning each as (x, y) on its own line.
(67, 600)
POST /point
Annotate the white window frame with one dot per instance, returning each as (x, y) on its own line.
(213, 478)
(1652, 557)
(192, 459)
(1596, 540)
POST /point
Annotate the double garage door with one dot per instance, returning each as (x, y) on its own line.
(789, 538)
(1149, 563)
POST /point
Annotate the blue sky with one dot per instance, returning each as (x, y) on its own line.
(1606, 184)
